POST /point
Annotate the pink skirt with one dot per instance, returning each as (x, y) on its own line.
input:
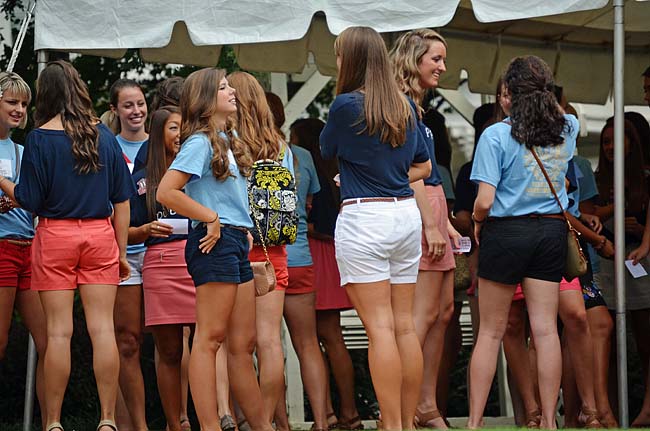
(436, 196)
(330, 295)
(169, 293)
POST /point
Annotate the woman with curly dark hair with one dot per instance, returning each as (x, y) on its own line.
(520, 227)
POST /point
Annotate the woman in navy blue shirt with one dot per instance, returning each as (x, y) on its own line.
(372, 130)
(73, 178)
(419, 59)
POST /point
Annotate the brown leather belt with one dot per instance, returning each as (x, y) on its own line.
(366, 200)
(527, 216)
(18, 242)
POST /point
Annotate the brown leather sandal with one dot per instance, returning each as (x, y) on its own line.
(423, 419)
(533, 419)
(589, 419)
(352, 424)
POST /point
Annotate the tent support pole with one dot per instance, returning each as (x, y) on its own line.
(30, 377)
(619, 210)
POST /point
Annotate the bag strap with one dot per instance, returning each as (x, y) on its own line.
(257, 225)
(281, 154)
(550, 184)
(17, 161)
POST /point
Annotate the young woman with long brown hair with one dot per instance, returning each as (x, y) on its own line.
(73, 178)
(372, 130)
(255, 126)
(212, 166)
(419, 60)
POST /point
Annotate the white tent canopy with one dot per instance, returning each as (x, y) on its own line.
(573, 36)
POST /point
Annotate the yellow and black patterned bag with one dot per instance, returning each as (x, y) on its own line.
(273, 201)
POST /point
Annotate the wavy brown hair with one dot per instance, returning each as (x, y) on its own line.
(255, 123)
(365, 67)
(537, 120)
(636, 189)
(60, 90)
(199, 110)
(157, 155)
(406, 56)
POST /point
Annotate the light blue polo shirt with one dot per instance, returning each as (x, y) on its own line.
(298, 253)
(509, 166)
(16, 223)
(228, 198)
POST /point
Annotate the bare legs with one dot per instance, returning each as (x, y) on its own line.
(169, 344)
(329, 332)
(494, 303)
(300, 315)
(98, 302)
(270, 358)
(432, 311)
(128, 332)
(394, 353)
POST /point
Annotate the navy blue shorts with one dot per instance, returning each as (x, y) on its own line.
(512, 250)
(227, 262)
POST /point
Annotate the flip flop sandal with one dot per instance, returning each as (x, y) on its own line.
(107, 423)
(423, 419)
(54, 426)
(351, 424)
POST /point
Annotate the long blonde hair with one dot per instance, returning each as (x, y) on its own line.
(199, 111)
(255, 122)
(12, 82)
(406, 56)
(365, 67)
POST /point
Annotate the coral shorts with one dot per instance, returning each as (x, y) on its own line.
(564, 286)
(16, 263)
(301, 280)
(278, 257)
(70, 252)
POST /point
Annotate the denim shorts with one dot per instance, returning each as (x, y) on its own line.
(514, 249)
(227, 262)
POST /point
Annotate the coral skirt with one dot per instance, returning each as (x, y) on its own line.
(169, 292)
(329, 293)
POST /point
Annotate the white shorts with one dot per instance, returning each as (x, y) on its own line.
(378, 241)
(135, 262)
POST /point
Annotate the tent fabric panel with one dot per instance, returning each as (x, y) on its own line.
(496, 10)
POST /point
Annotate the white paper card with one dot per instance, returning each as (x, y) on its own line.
(465, 245)
(180, 225)
(6, 168)
(636, 270)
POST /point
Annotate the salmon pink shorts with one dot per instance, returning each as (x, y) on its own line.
(301, 280)
(564, 286)
(70, 252)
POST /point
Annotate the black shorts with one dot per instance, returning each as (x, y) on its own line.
(514, 249)
(227, 262)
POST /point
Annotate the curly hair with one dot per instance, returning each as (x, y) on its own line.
(537, 120)
(60, 90)
(406, 56)
(199, 109)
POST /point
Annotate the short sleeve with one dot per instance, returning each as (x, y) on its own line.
(573, 125)
(314, 184)
(121, 183)
(192, 157)
(330, 133)
(31, 190)
(588, 186)
(287, 160)
(421, 147)
(488, 158)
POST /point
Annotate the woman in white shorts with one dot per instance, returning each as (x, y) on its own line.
(373, 132)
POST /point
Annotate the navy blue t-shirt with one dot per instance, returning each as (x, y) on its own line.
(140, 214)
(50, 186)
(368, 167)
(466, 190)
(141, 158)
(324, 210)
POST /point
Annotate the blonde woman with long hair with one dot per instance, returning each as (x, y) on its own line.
(419, 59)
(212, 166)
(256, 128)
(372, 130)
